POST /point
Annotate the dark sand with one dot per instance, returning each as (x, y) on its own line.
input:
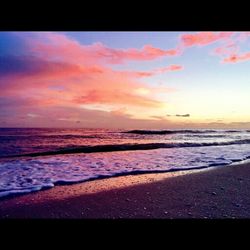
(222, 192)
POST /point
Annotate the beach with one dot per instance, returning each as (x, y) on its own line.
(213, 193)
(127, 125)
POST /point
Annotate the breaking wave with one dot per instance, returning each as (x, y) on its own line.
(128, 147)
(186, 131)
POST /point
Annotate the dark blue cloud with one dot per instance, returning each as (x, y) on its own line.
(10, 64)
(11, 44)
(186, 115)
(30, 65)
(178, 115)
(14, 64)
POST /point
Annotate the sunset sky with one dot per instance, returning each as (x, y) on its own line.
(125, 79)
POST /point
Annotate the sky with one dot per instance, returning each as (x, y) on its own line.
(142, 80)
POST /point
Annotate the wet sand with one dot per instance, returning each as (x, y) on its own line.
(222, 192)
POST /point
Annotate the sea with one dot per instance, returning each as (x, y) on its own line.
(32, 159)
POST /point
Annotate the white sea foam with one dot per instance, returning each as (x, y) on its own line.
(25, 175)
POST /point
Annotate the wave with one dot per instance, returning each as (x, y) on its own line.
(62, 137)
(204, 136)
(163, 132)
(5, 194)
(128, 147)
(14, 192)
(186, 131)
(234, 131)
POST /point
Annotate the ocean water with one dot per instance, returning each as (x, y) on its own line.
(34, 159)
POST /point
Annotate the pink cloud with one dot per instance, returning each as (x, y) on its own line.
(235, 58)
(173, 67)
(230, 44)
(60, 75)
(221, 51)
(155, 71)
(58, 46)
(77, 85)
(203, 38)
(230, 48)
(242, 36)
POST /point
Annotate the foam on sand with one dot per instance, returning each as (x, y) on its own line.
(28, 174)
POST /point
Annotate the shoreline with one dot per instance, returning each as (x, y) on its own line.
(215, 192)
(157, 174)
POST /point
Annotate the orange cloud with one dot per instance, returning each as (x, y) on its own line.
(203, 38)
(116, 97)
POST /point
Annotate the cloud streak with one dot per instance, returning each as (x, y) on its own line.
(203, 38)
(186, 115)
(229, 44)
(116, 97)
(178, 115)
(154, 72)
(236, 58)
(64, 48)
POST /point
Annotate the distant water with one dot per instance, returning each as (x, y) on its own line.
(33, 159)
